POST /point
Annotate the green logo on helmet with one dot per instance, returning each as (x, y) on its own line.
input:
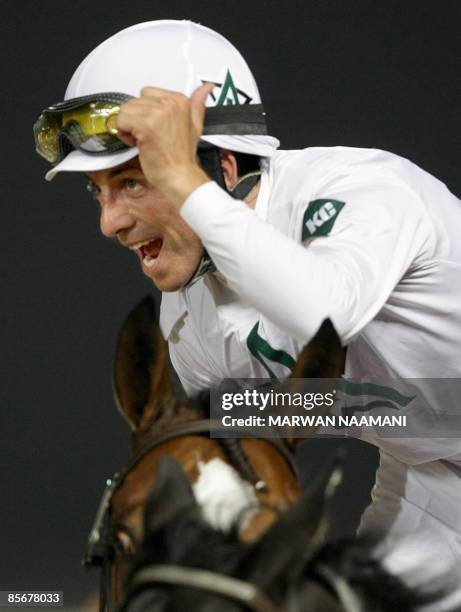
(229, 94)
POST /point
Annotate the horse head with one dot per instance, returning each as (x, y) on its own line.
(163, 422)
(183, 563)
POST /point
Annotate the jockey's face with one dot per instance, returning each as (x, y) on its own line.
(140, 217)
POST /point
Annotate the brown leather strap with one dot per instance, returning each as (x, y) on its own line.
(202, 426)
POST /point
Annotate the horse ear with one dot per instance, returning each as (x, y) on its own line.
(171, 495)
(323, 357)
(300, 530)
(141, 363)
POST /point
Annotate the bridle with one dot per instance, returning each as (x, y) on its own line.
(96, 552)
(241, 591)
(247, 593)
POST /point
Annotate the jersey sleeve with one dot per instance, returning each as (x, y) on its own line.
(380, 231)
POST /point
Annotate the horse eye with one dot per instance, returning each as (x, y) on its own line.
(124, 542)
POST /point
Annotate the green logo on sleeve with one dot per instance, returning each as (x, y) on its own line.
(320, 217)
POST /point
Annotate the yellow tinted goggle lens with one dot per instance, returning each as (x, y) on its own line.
(46, 132)
(94, 119)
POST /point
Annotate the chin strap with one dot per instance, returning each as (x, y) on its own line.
(239, 192)
(210, 161)
(244, 185)
(205, 265)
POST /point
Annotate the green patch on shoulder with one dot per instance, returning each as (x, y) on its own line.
(320, 217)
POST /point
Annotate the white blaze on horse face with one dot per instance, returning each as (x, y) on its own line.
(223, 496)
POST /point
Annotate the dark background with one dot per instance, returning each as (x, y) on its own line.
(362, 73)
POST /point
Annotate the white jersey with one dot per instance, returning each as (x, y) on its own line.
(364, 238)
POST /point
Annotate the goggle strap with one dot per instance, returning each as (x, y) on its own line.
(238, 119)
(229, 119)
(67, 105)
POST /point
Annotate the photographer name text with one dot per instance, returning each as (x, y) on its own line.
(309, 420)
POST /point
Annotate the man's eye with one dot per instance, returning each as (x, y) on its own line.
(93, 189)
(132, 184)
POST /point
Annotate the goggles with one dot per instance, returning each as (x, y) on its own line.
(87, 123)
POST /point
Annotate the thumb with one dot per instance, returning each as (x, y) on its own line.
(197, 106)
(127, 138)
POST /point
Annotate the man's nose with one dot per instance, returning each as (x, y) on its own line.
(115, 216)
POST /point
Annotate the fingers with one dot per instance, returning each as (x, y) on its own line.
(158, 92)
(202, 92)
(165, 126)
(127, 138)
(197, 105)
(140, 118)
(154, 104)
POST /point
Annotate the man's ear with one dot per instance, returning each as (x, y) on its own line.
(229, 168)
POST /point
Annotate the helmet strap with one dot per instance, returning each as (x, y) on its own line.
(244, 185)
(205, 265)
(210, 160)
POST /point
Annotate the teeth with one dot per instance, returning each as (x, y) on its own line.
(138, 245)
(150, 261)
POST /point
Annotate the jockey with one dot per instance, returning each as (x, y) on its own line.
(252, 262)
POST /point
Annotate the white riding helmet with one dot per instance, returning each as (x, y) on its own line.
(178, 56)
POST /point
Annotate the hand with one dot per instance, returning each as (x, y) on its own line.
(166, 127)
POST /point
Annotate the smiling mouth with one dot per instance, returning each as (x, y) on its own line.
(149, 251)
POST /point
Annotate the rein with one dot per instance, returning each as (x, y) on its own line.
(213, 582)
(241, 591)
